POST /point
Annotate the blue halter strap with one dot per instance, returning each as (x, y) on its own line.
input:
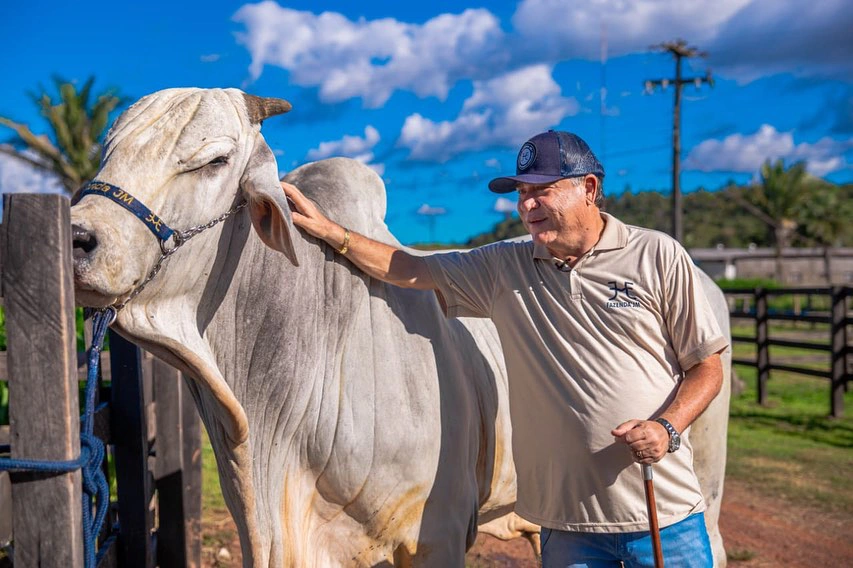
(154, 223)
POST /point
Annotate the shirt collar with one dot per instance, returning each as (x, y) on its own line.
(614, 236)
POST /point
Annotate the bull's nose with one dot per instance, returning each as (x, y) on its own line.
(84, 241)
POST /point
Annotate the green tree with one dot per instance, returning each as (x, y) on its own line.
(826, 218)
(77, 120)
(777, 200)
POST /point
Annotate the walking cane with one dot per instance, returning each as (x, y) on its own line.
(653, 514)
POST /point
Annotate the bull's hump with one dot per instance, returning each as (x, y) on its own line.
(348, 192)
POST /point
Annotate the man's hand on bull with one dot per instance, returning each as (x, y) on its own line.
(648, 440)
(306, 215)
(377, 259)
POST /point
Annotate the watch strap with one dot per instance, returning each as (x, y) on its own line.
(673, 433)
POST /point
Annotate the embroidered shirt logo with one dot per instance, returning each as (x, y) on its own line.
(628, 299)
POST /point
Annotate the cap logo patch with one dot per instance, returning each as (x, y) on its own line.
(526, 156)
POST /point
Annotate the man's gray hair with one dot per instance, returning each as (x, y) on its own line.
(599, 192)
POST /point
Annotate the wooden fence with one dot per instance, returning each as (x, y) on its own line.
(825, 306)
(144, 414)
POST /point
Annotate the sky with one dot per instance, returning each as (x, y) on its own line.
(438, 96)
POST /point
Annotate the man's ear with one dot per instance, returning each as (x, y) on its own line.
(267, 203)
(590, 185)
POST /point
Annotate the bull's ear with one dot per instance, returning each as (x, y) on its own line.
(267, 203)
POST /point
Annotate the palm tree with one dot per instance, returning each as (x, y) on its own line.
(73, 150)
(777, 200)
(826, 220)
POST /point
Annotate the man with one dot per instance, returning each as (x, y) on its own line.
(611, 351)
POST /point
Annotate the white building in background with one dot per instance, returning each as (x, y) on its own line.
(801, 266)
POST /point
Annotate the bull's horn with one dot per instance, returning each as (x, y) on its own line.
(261, 108)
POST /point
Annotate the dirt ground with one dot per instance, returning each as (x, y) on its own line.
(758, 531)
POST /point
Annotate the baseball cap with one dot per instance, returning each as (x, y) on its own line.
(548, 157)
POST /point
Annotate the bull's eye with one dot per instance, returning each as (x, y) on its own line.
(220, 160)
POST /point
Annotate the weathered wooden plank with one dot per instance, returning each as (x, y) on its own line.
(130, 439)
(5, 496)
(42, 366)
(101, 424)
(177, 470)
(171, 537)
(148, 393)
(170, 439)
(110, 554)
(5, 508)
(191, 476)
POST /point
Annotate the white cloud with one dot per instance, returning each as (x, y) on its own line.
(804, 37)
(210, 58)
(378, 168)
(746, 153)
(504, 205)
(561, 29)
(369, 58)
(355, 147)
(349, 146)
(17, 176)
(430, 211)
(503, 111)
(745, 38)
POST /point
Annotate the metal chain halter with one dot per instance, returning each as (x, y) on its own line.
(155, 224)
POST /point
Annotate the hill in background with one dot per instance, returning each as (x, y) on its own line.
(711, 218)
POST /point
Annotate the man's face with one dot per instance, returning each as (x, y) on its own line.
(554, 214)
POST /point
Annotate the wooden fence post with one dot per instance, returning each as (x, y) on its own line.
(192, 475)
(839, 351)
(130, 439)
(42, 362)
(177, 470)
(762, 345)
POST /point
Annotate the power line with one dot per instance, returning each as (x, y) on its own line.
(679, 50)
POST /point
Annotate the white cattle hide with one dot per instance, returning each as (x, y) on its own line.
(353, 425)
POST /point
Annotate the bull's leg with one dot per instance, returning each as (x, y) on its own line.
(511, 526)
(536, 544)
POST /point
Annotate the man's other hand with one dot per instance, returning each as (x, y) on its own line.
(648, 440)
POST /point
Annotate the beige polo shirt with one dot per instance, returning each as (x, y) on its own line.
(586, 350)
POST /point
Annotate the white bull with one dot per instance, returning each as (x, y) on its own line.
(353, 425)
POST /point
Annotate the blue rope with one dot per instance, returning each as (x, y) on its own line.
(92, 451)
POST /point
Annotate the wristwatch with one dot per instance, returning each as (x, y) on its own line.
(674, 436)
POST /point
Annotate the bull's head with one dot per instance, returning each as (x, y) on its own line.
(189, 155)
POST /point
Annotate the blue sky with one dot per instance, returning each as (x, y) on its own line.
(438, 96)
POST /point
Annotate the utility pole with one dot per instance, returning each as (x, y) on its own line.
(679, 50)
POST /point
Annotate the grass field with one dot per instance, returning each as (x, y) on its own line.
(790, 447)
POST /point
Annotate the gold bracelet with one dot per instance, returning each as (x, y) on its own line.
(345, 247)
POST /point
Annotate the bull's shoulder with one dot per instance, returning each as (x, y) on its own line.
(348, 192)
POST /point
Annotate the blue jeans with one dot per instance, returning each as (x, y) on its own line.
(684, 544)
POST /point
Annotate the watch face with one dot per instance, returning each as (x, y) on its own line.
(674, 442)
